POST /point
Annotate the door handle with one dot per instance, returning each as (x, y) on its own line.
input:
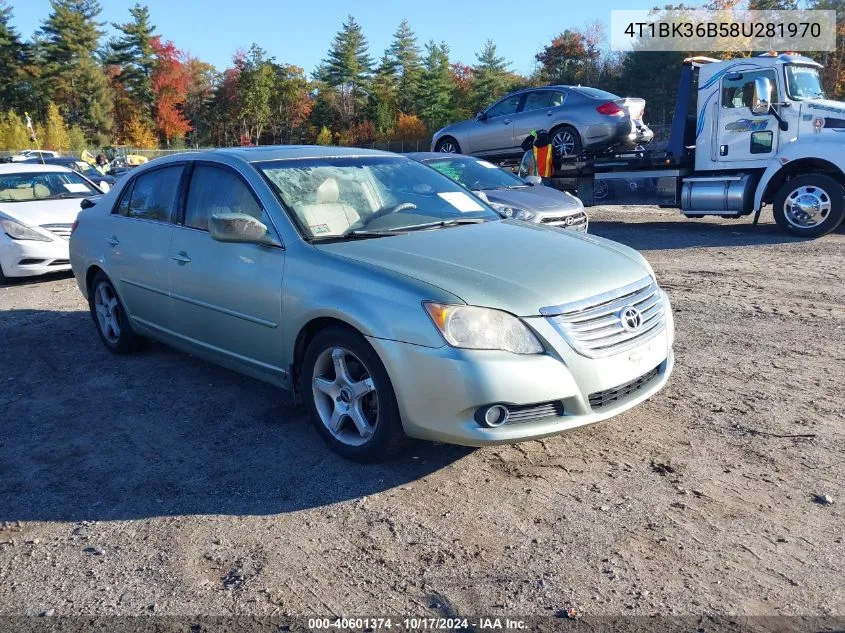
(549, 113)
(113, 241)
(181, 257)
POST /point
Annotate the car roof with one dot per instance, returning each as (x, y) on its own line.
(423, 156)
(260, 153)
(24, 168)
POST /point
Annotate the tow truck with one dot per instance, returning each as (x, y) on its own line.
(745, 133)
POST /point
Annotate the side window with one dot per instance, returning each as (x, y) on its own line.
(508, 105)
(215, 190)
(153, 194)
(537, 100)
(122, 207)
(739, 93)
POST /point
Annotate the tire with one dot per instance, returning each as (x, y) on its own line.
(448, 145)
(362, 406)
(4, 281)
(822, 205)
(566, 141)
(110, 317)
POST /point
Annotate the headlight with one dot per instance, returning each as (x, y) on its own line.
(470, 327)
(18, 231)
(513, 212)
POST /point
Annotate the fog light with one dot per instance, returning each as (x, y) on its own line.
(494, 415)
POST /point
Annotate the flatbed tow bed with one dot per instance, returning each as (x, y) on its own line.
(745, 133)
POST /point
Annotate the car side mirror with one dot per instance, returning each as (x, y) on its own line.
(762, 100)
(87, 203)
(533, 180)
(239, 228)
(481, 116)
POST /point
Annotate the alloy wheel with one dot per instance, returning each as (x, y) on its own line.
(564, 143)
(345, 396)
(807, 206)
(448, 147)
(108, 312)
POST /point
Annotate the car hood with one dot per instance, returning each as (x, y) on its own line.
(537, 198)
(38, 212)
(509, 265)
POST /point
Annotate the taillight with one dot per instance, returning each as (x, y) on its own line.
(610, 109)
(74, 225)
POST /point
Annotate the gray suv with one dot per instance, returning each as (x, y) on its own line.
(579, 119)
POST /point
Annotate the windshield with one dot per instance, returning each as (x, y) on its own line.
(803, 82)
(43, 185)
(475, 174)
(332, 197)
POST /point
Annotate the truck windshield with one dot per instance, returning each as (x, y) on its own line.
(803, 82)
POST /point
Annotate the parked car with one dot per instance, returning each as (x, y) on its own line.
(390, 299)
(30, 153)
(103, 181)
(577, 117)
(530, 200)
(38, 205)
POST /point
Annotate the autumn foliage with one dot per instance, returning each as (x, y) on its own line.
(170, 81)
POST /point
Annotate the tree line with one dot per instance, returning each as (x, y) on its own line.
(138, 89)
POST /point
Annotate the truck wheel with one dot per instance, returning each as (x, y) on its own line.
(809, 206)
(566, 141)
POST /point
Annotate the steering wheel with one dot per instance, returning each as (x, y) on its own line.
(388, 210)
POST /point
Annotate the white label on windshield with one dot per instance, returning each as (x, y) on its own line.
(76, 187)
(461, 201)
(484, 163)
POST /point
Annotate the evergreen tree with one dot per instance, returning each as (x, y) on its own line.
(13, 62)
(68, 39)
(134, 54)
(404, 63)
(435, 95)
(255, 83)
(383, 104)
(348, 68)
(492, 77)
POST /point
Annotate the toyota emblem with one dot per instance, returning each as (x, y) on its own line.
(631, 318)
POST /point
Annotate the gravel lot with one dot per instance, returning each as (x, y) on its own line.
(162, 484)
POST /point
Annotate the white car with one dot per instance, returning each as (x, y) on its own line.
(38, 206)
(29, 154)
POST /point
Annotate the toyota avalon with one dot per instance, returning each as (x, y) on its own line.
(387, 297)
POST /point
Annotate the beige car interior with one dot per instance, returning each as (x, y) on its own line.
(25, 193)
(329, 215)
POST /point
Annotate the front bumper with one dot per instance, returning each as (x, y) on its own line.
(28, 258)
(439, 390)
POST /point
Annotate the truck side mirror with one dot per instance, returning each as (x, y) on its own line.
(762, 100)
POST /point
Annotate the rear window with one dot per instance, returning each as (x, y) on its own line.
(595, 93)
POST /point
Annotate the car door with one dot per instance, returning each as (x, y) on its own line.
(742, 135)
(493, 134)
(138, 244)
(536, 113)
(225, 297)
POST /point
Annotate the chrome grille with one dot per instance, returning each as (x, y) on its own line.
(575, 222)
(601, 399)
(594, 326)
(529, 412)
(62, 230)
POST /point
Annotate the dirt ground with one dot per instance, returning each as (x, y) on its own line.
(161, 484)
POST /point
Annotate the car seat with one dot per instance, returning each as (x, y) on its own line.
(328, 216)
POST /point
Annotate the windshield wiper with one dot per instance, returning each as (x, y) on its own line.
(358, 234)
(440, 224)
